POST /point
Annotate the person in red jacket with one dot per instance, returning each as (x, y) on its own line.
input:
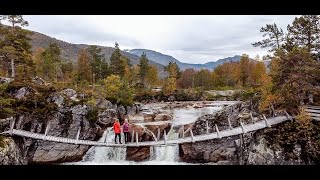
(117, 131)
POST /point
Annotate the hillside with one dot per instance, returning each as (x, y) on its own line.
(165, 59)
(70, 51)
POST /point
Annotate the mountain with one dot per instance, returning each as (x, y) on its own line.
(164, 59)
(70, 51)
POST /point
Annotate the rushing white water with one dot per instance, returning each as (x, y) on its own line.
(159, 155)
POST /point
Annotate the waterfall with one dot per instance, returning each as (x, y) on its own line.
(106, 154)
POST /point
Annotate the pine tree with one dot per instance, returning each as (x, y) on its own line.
(84, 68)
(274, 40)
(305, 32)
(143, 68)
(15, 46)
(99, 66)
(117, 62)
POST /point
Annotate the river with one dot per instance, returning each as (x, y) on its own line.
(159, 155)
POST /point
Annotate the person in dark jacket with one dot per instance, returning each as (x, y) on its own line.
(125, 129)
(117, 131)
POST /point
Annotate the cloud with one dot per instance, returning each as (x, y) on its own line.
(193, 39)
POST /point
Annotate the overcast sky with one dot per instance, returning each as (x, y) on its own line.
(191, 39)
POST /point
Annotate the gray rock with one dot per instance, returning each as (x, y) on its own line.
(10, 153)
(56, 98)
(22, 92)
(104, 104)
(69, 92)
(5, 80)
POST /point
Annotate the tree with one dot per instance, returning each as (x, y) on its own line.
(294, 76)
(187, 78)
(117, 62)
(15, 45)
(51, 63)
(152, 76)
(99, 66)
(245, 69)
(169, 86)
(305, 32)
(258, 73)
(274, 40)
(117, 90)
(83, 69)
(173, 70)
(143, 68)
(203, 79)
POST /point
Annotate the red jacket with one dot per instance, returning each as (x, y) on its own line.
(116, 128)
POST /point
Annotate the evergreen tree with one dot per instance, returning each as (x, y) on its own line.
(15, 46)
(305, 32)
(84, 69)
(274, 40)
(99, 66)
(143, 68)
(117, 62)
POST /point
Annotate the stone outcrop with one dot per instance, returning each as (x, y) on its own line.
(10, 152)
(163, 117)
(209, 151)
(138, 153)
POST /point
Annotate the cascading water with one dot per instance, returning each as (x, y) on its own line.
(158, 154)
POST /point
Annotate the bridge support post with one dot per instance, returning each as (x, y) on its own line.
(105, 139)
(242, 127)
(207, 127)
(137, 139)
(158, 135)
(265, 119)
(218, 132)
(229, 122)
(191, 133)
(183, 131)
(288, 116)
(132, 136)
(165, 137)
(78, 135)
(12, 122)
(46, 131)
(252, 119)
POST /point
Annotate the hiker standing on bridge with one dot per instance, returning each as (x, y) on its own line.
(117, 131)
(125, 128)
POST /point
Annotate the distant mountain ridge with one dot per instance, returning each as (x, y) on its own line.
(164, 59)
(69, 51)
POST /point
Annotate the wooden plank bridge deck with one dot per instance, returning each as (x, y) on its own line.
(215, 135)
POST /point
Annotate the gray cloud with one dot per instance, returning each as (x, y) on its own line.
(193, 39)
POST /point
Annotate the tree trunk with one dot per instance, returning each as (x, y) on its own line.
(12, 68)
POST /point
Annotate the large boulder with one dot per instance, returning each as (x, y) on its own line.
(148, 116)
(121, 112)
(166, 126)
(213, 151)
(104, 104)
(138, 153)
(10, 152)
(163, 117)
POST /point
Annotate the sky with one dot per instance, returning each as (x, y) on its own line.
(188, 38)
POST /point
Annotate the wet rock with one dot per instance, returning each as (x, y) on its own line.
(209, 151)
(121, 112)
(148, 116)
(138, 153)
(163, 117)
